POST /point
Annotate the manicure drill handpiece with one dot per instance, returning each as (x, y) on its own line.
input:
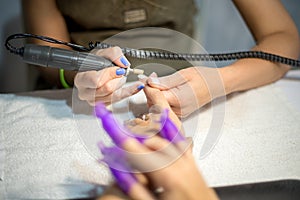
(64, 59)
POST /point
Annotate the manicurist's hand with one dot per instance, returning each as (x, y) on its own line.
(106, 85)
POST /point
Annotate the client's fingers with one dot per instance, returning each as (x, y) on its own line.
(156, 97)
(167, 82)
(156, 143)
(138, 154)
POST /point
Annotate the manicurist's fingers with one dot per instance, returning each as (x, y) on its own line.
(115, 54)
(116, 93)
(95, 79)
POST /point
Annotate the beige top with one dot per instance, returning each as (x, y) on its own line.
(96, 20)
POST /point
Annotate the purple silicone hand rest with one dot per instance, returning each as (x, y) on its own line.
(169, 130)
(115, 158)
(115, 130)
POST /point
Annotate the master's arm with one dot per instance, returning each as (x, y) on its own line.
(44, 18)
(274, 32)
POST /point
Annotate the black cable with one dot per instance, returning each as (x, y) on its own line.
(146, 54)
(20, 51)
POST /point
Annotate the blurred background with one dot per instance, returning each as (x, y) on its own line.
(220, 29)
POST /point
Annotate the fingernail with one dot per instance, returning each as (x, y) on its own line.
(140, 87)
(124, 60)
(120, 71)
(154, 80)
(153, 74)
(142, 76)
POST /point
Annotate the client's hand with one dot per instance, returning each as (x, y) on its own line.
(190, 88)
(106, 85)
(156, 104)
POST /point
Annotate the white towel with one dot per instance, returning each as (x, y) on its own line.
(48, 157)
(260, 139)
(45, 158)
(2, 154)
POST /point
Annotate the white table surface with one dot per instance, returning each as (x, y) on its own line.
(255, 145)
(259, 143)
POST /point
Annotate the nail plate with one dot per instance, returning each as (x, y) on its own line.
(120, 71)
(124, 61)
(140, 87)
(154, 80)
(153, 74)
(142, 76)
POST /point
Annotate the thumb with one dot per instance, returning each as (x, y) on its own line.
(156, 97)
(167, 82)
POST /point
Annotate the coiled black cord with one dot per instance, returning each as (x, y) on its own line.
(146, 54)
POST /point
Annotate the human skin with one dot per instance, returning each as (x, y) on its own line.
(270, 24)
(179, 177)
(274, 32)
(106, 85)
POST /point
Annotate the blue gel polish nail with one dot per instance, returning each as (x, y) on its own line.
(124, 61)
(120, 71)
(140, 87)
